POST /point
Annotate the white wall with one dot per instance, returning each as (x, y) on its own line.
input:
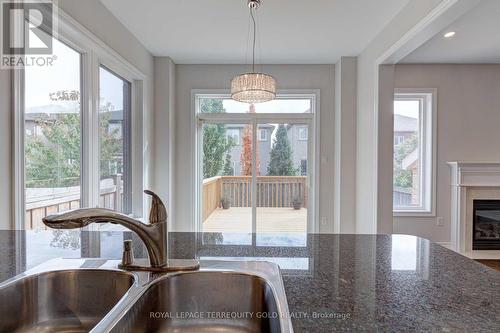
(190, 77)
(95, 17)
(468, 111)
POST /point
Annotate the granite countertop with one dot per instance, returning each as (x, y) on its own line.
(356, 283)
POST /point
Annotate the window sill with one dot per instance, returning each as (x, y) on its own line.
(414, 213)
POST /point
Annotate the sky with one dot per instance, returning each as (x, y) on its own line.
(407, 108)
(274, 106)
(65, 75)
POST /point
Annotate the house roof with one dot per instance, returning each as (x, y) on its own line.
(405, 124)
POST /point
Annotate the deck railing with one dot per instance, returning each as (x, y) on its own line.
(272, 191)
(110, 197)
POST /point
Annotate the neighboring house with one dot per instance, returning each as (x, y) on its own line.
(411, 163)
(297, 134)
(404, 127)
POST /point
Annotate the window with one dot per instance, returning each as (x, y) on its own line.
(262, 134)
(234, 135)
(413, 161)
(302, 133)
(52, 140)
(73, 122)
(250, 187)
(114, 141)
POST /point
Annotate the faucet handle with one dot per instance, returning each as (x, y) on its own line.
(158, 212)
(128, 254)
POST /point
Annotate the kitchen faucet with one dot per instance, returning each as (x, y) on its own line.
(154, 235)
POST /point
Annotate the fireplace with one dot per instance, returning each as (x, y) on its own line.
(486, 225)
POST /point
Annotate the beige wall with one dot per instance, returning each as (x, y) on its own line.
(345, 146)
(190, 77)
(96, 18)
(468, 128)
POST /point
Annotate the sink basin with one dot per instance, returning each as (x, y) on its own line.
(205, 301)
(94, 295)
(61, 301)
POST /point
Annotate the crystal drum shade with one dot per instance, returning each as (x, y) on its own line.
(253, 88)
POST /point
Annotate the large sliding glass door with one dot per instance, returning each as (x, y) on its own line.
(254, 168)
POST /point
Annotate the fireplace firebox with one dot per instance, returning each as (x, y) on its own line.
(486, 225)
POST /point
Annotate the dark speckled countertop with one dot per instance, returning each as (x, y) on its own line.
(353, 283)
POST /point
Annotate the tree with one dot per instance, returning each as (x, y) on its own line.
(53, 159)
(403, 178)
(215, 141)
(246, 151)
(280, 163)
(228, 168)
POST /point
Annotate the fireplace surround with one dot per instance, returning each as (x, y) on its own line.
(470, 182)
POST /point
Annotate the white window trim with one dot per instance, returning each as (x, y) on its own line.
(428, 153)
(313, 143)
(94, 53)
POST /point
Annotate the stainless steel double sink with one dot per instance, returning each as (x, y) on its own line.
(82, 295)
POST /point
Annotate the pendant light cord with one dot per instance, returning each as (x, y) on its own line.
(253, 43)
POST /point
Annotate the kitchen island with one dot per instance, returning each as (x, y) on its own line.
(356, 283)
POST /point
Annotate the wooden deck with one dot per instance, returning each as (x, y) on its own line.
(269, 220)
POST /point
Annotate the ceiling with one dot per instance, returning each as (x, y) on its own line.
(476, 39)
(291, 31)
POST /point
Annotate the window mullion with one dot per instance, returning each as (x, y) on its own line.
(90, 132)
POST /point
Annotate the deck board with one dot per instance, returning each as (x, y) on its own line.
(239, 219)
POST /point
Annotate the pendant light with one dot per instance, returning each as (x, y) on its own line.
(253, 87)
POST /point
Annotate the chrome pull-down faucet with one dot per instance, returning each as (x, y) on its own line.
(154, 235)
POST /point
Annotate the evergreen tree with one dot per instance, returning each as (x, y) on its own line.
(228, 168)
(215, 141)
(280, 163)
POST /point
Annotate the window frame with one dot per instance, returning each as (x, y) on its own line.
(94, 53)
(312, 120)
(427, 144)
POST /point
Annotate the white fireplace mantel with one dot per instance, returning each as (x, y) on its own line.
(464, 177)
